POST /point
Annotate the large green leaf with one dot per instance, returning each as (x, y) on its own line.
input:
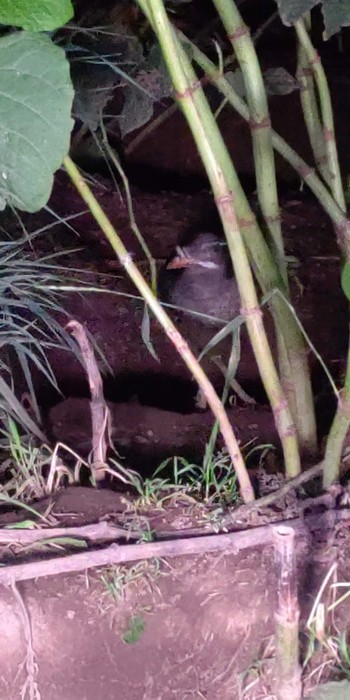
(336, 13)
(292, 10)
(36, 97)
(36, 15)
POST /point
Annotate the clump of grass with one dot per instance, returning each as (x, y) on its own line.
(213, 482)
(117, 580)
(29, 472)
(325, 638)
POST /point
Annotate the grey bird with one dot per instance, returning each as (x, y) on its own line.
(199, 278)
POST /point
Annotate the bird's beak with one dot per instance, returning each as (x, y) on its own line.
(180, 261)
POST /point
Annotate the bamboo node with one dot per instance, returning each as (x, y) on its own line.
(246, 223)
(227, 198)
(264, 123)
(252, 311)
(273, 219)
(315, 61)
(189, 90)
(178, 340)
(305, 171)
(290, 432)
(126, 260)
(242, 30)
(328, 135)
(281, 406)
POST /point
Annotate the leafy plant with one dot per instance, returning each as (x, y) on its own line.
(136, 628)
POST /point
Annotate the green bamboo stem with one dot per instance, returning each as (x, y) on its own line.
(214, 156)
(341, 421)
(305, 171)
(326, 112)
(311, 114)
(265, 173)
(180, 344)
(260, 125)
(338, 432)
(297, 383)
(287, 667)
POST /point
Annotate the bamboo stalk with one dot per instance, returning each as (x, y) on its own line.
(259, 123)
(178, 341)
(326, 112)
(298, 389)
(341, 421)
(263, 269)
(265, 173)
(215, 158)
(338, 432)
(287, 668)
(311, 114)
(304, 170)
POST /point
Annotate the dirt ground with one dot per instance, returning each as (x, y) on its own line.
(175, 628)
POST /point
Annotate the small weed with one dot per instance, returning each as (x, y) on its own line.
(151, 492)
(31, 472)
(135, 630)
(117, 580)
(323, 633)
(215, 481)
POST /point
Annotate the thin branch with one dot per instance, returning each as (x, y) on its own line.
(231, 543)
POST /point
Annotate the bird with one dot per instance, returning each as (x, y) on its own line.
(199, 280)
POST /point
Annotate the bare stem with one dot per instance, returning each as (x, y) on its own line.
(338, 432)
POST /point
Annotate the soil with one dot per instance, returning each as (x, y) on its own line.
(179, 628)
(202, 625)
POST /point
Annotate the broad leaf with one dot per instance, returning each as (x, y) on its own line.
(152, 85)
(336, 13)
(36, 97)
(292, 10)
(36, 15)
(278, 81)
